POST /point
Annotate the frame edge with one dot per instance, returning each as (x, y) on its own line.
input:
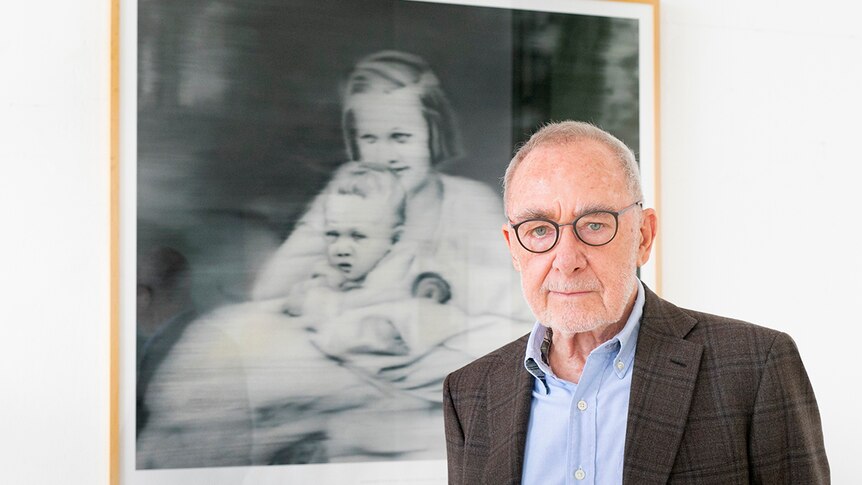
(114, 443)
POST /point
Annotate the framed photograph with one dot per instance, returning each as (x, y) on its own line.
(307, 218)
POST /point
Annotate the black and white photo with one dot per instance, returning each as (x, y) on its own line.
(311, 217)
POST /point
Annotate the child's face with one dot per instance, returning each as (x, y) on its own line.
(359, 232)
(391, 130)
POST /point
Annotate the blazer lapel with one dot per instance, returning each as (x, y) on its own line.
(508, 420)
(663, 381)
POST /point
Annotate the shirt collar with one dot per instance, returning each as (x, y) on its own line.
(537, 351)
(536, 358)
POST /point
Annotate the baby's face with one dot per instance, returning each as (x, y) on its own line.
(359, 232)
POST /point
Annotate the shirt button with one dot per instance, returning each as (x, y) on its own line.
(582, 405)
(620, 365)
(580, 474)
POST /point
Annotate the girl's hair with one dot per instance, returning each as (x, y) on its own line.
(387, 71)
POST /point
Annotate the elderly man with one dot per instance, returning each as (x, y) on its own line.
(614, 384)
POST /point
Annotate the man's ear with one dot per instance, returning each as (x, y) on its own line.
(648, 231)
(507, 234)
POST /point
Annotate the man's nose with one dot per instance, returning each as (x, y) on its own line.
(569, 255)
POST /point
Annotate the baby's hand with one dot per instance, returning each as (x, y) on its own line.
(432, 286)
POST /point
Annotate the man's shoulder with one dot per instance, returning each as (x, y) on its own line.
(722, 337)
(713, 326)
(663, 316)
(506, 359)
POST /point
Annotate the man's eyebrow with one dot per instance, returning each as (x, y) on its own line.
(532, 214)
(543, 214)
(593, 208)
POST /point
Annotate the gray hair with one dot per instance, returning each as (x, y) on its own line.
(565, 132)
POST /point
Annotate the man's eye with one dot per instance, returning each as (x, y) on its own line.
(368, 139)
(595, 226)
(540, 231)
(401, 137)
(331, 236)
(357, 236)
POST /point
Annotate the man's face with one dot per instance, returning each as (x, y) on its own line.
(574, 287)
(359, 232)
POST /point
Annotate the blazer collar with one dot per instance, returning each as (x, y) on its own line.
(665, 371)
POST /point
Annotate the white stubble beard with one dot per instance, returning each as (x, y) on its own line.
(573, 319)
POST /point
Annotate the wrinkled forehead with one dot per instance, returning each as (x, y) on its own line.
(567, 179)
(349, 210)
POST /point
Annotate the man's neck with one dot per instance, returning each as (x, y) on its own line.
(569, 350)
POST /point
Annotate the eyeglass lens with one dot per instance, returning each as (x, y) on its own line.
(595, 229)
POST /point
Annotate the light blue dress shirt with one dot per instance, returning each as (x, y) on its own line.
(577, 432)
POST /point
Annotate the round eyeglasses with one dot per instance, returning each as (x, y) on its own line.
(595, 228)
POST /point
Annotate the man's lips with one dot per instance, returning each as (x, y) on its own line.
(570, 292)
(570, 289)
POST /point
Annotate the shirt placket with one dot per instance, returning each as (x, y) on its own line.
(584, 427)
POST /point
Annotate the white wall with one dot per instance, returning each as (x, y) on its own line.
(54, 268)
(761, 176)
(759, 217)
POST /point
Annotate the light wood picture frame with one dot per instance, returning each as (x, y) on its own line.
(250, 345)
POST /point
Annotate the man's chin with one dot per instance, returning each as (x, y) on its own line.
(570, 327)
(576, 320)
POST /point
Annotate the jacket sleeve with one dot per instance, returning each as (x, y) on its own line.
(454, 435)
(786, 439)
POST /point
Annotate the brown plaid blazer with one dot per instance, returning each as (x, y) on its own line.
(713, 401)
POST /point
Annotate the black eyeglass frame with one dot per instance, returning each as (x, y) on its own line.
(557, 227)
